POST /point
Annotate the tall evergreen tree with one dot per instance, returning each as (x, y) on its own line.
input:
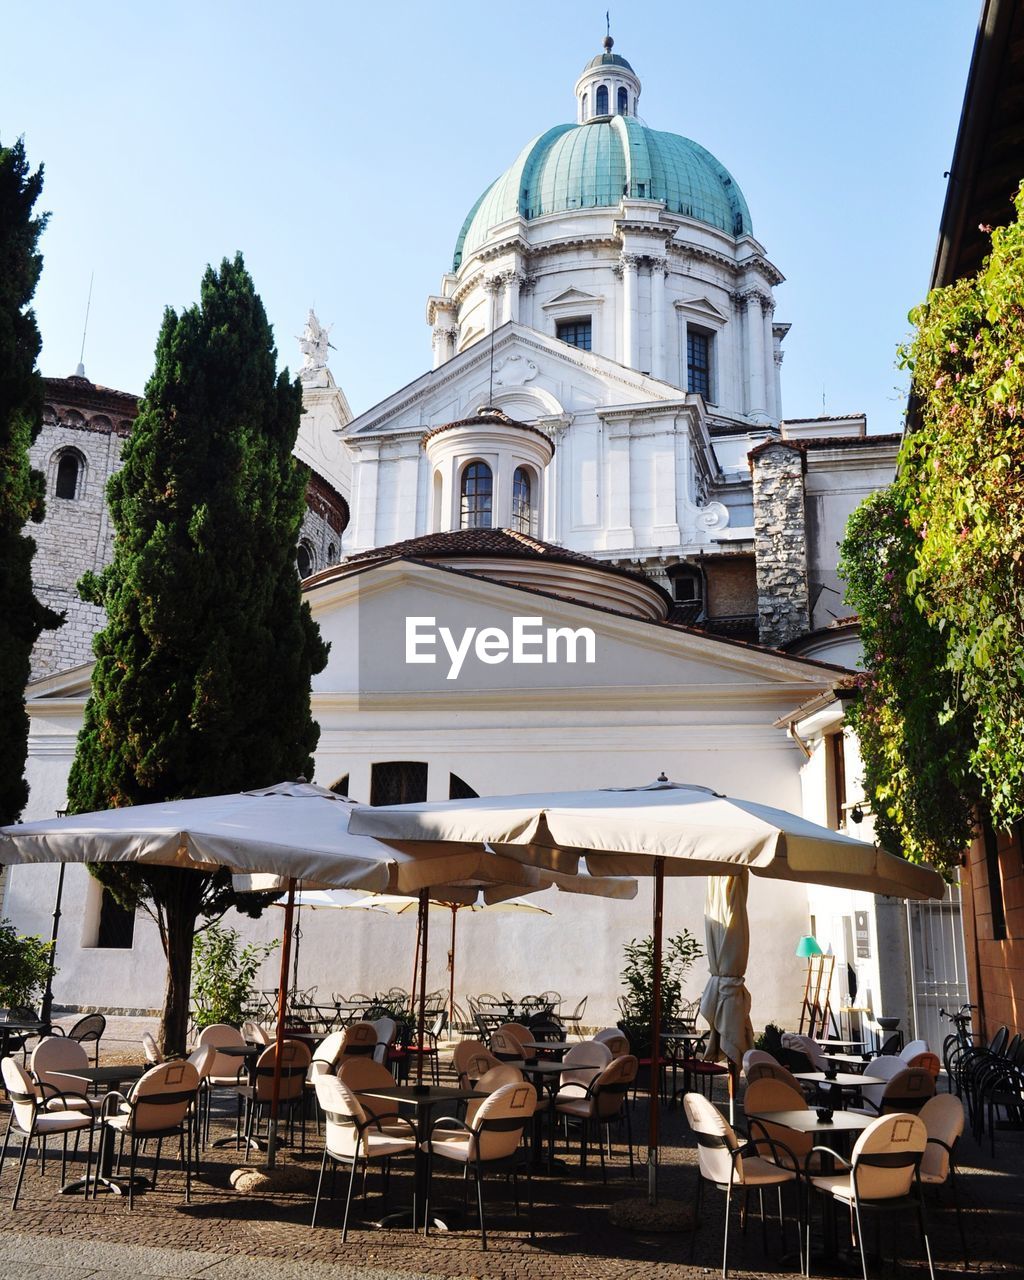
(22, 617)
(202, 677)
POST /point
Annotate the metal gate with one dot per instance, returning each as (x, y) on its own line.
(938, 969)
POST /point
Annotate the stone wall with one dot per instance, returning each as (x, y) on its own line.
(780, 542)
(90, 424)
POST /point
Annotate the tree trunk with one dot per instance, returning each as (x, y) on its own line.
(181, 902)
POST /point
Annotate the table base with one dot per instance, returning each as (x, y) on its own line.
(98, 1182)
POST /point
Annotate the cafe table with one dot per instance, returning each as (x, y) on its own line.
(847, 1080)
(248, 1055)
(422, 1099)
(113, 1076)
(549, 1047)
(19, 1029)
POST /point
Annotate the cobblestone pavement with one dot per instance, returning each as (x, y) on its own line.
(224, 1235)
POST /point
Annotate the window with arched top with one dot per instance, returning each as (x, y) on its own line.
(623, 107)
(586, 98)
(477, 494)
(332, 553)
(304, 559)
(522, 510)
(69, 475)
(601, 100)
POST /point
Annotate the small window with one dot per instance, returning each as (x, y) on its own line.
(601, 100)
(340, 787)
(586, 99)
(477, 489)
(398, 782)
(304, 559)
(68, 474)
(117, 925)
(698, 363)
(522, 510)
(332, 553)
(577, 333)
(687, 587)
(623, 107)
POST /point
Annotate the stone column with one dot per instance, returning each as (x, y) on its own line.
(779, 355)
(757, 401)
(628, 263)
(439, 345)
(768, 348)
(780, 543)
(510, 301)
(658, 266)
(492, 287)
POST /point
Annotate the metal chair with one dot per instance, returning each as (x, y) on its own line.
(490, 1144)
(157, 1107)
(352, 1136)
(89, 1030)
(944, 1118)
(884, 1173)
(601, 1102)
(731, 1165)
(31, 1120)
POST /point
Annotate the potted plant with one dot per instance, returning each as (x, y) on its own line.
(637, 1005)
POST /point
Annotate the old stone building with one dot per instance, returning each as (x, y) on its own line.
(79, 449)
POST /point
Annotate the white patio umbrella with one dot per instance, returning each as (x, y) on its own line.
(294, 831)
(662, 829)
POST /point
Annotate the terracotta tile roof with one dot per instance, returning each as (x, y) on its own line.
(486, 417)
(501, 544)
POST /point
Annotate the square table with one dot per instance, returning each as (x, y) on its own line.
(846, 1082)
(423, 1098)
(112, 1075)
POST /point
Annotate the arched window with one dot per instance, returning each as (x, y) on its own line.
(623, 107)
(586, 98)
(601, 100)
(304, 559)
(398, 782)
(477, 488)
(69, 470)
(332, 553)
(459, 789)
(522, 512)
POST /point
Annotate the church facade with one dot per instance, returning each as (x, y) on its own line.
(598, 450)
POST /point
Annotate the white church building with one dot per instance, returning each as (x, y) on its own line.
(597, 453)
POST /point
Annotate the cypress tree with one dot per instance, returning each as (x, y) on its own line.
(202, 676)
(22, 617)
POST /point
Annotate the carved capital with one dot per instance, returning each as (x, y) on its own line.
(494, 284)
(658, 264)
(629, 261)
(779, 357)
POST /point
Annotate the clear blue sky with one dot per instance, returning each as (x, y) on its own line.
(340, 147)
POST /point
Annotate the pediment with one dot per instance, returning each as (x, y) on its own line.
(536, 366)
(702, 306)
(572, 297)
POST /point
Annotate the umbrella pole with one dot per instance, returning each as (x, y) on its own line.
(47, 1006)
(655, 1071)
(415, 966)
(424, 916)
(282, 1004)
(451, 974)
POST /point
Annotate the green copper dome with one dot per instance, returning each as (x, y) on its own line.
(608, 60)
(593, 165)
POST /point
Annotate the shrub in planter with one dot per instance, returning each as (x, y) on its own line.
(679, 953)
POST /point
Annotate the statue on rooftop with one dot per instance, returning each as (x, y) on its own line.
(314, 344)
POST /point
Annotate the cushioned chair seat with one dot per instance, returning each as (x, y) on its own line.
(62, 1122)
(763, 1173)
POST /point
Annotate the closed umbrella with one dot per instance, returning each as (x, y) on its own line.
(725, 1004)
(296, 831)
(664, 828)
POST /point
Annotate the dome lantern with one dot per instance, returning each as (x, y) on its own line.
(608, 86)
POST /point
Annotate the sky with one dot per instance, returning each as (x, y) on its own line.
(339, 147)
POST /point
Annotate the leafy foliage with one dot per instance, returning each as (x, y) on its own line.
(911, 748)
(202, 675)
(679, 953)
(953, 690)
(22, 617)
(24, 967)
(223, 974)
